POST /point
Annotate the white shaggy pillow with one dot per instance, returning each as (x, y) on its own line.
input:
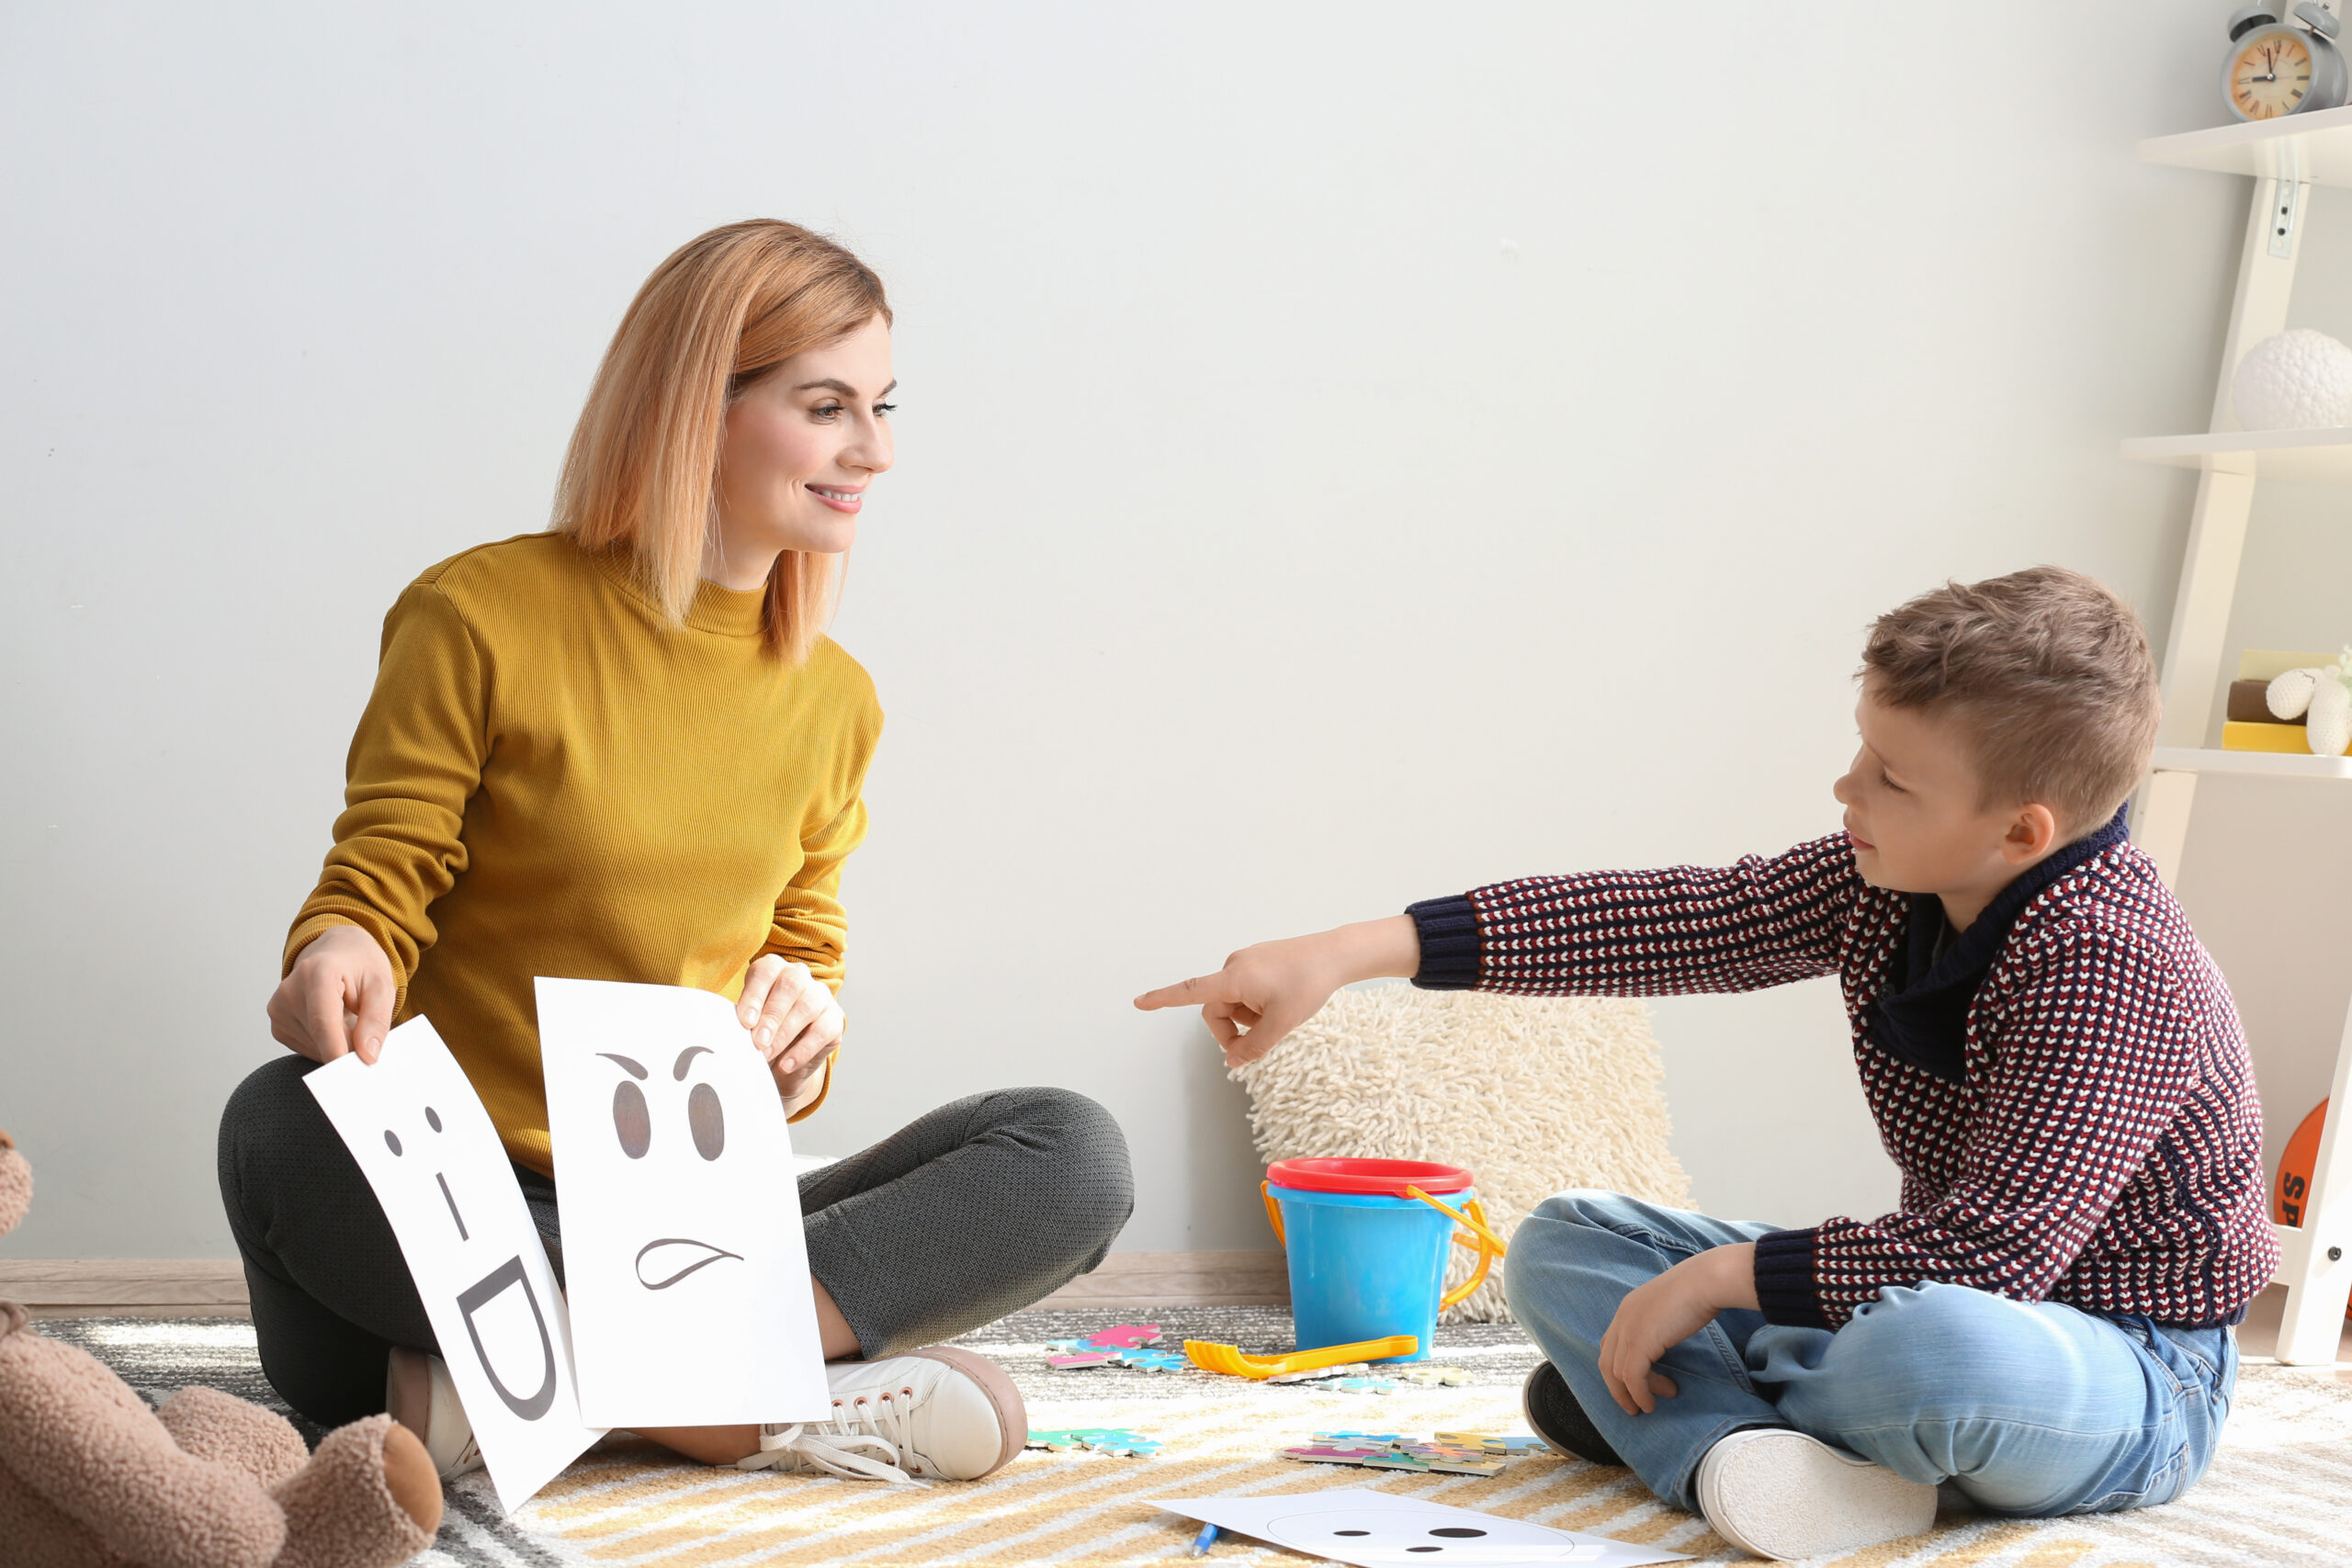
(1532, 1096)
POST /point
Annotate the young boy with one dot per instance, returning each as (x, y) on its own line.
(2053, 1062)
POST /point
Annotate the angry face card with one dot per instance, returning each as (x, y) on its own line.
(682, 1240)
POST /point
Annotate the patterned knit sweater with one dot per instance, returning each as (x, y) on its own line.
(2064, 1087)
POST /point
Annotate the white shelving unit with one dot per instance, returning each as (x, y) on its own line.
(2323, 456)
(2286, 157)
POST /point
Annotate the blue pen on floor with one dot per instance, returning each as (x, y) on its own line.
(1202, 1541)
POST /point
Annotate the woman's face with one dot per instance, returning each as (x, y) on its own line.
(803, 442)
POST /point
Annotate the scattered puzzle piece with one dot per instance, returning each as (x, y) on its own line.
(1430, 1456)
(1387, 1451)
(1434, 1377)
(1084, 1360)
(1116, 1440)
(1153, 1360)
(1363, 1385)
(1126, 1335)
(1516, 1445)
(1336, 1453)
(1323, 1374)
(1122, 1337)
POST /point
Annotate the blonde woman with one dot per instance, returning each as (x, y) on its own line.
(624, 750)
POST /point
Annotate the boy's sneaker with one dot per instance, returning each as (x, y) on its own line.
(934, 1413)
(1552, 1410)
(1777, 1493)
(419, 1394)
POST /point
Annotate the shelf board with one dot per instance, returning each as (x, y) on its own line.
(2323, 455)
(2316, 147)
(2276, 764)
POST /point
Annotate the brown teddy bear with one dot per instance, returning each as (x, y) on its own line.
(91, 1478)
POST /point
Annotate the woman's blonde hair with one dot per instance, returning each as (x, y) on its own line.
(724, 310)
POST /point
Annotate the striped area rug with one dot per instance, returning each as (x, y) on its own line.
(2281, 1492)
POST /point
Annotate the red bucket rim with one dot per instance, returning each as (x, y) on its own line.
(1390, 1176)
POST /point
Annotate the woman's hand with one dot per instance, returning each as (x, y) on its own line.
(794, 1020)
(1264, 992)
(337, 998)
(1660, 1314)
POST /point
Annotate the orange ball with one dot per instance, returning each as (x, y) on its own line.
(2295, 1168)
(2295, 1173)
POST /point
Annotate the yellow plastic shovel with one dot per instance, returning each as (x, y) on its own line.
(1226, 1359)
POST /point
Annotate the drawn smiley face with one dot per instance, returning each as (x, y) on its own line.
(494, 1287)
(664, 1261)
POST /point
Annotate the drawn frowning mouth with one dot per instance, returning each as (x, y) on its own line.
(702, 1253)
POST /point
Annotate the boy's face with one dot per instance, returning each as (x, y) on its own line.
(1915, 814)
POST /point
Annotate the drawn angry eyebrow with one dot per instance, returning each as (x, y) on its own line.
(685, 1056)
(627, 1065)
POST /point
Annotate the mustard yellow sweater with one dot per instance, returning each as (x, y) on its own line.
(551, 780)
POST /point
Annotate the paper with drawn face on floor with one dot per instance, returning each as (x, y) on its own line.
(1374, 1529)
(682, 1243)
(427, 1148)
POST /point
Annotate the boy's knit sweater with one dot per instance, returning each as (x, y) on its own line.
(2065, 1085)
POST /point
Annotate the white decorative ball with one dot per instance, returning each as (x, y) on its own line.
(2298, 380)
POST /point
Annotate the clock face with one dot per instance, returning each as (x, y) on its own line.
(2270, 74)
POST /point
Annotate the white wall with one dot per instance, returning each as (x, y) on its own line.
(1349, 453)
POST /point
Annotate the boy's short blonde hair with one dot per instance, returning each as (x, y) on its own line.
(2048, 673)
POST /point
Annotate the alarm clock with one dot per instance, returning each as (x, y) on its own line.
(2277, 68)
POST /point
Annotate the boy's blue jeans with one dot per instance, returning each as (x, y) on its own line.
(2029, 1408)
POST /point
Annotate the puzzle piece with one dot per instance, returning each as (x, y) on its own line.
(1437, 1457)
(1137, 1361)
(1363, 1385)
(1126, 1335)
(1435, 1377)
(1337, 1453)
(1119, 1337)
(1116, 1440)
(1323, 1374)
(1514, 1446)
(1387, 1451)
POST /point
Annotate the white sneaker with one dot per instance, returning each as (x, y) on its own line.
(1777, 1493)
(937, 1412)
(420, 1396)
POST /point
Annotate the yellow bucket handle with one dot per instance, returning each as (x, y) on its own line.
(1488, 1246)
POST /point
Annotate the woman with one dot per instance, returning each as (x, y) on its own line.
(624, 750)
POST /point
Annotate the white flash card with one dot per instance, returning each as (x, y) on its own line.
(681, 1244)
(1375, 1529)
(427, 1148)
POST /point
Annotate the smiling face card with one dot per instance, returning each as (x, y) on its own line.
(682, 1243)
(1374, 1529)
(421, 1138)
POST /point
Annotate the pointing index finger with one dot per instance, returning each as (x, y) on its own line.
(1187, 993)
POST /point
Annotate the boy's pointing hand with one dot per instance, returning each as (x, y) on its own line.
(1260, 995)
(1264, 992)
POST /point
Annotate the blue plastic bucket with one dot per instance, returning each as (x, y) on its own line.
(1368, 1245)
